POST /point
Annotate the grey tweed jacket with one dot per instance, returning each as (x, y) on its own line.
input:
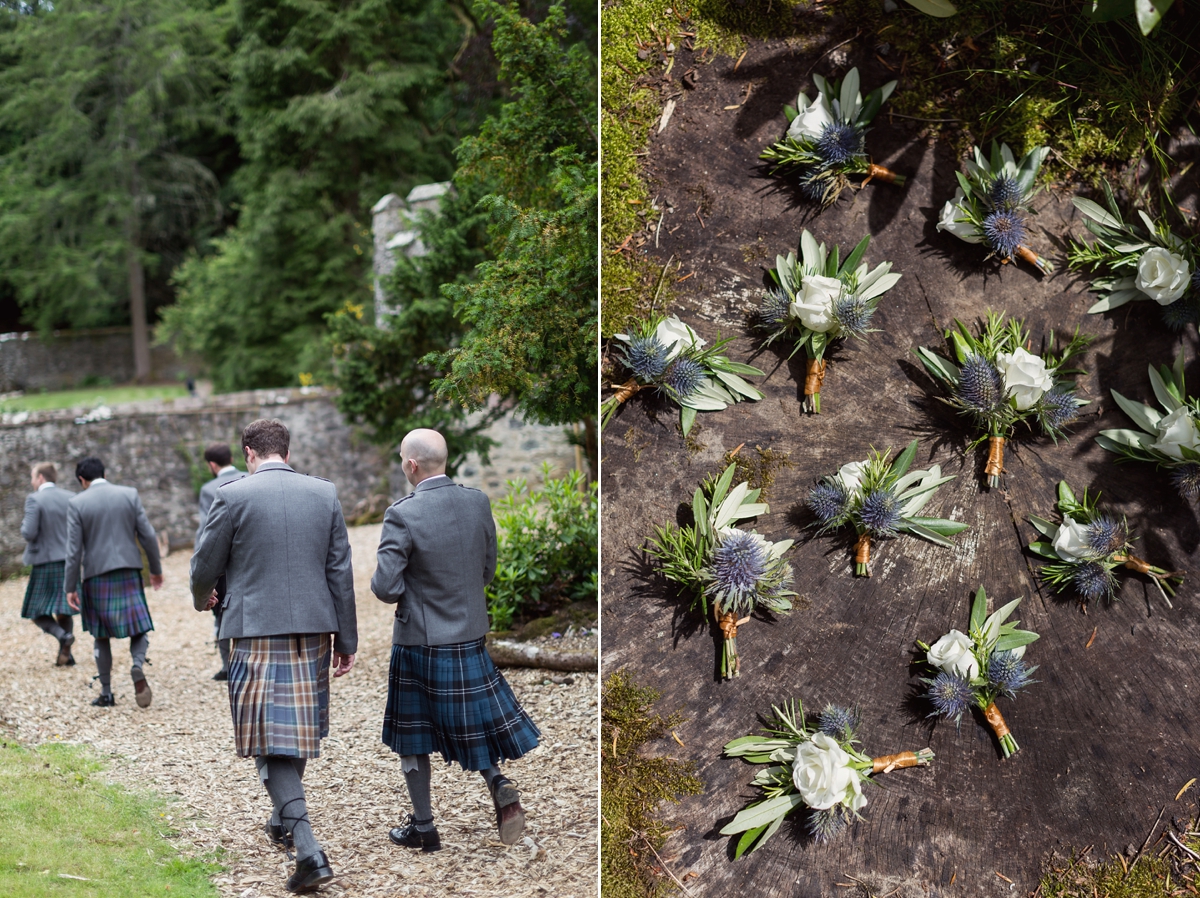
(44, 527)
(105, 525)
(208, 493)
(436, 554)
(280, 539)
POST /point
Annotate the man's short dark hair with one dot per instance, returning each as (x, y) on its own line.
(266, 436)
(47, 470)
(91, 468)
(219, 453)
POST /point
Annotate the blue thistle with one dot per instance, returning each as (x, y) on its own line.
(1057, 409)
(1106, 535)
(828, 502)
(824, 825)
(1093, 580)
(980, 386)
(853, 314)
(775, 311)
(739, 562)
(1181, 313)
(839, 143)
(1008, 673)
(1187, 480)
(1005, 193)
(1004, 231)
(880, 512)
(839, 722)
(684, 377)
(646, 357)
(815, 185)
(951, 695)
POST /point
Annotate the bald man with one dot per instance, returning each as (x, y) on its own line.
(436, 554)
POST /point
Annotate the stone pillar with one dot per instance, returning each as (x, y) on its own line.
(395, 226)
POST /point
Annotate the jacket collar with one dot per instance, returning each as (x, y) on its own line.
(433, 483)
(274, 466)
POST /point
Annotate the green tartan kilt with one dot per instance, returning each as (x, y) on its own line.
(45, 594)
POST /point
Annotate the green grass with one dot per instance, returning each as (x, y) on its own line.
(58, 817)
(91, 397)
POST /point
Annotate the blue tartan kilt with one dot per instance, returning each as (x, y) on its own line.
(452, 700)
(113, 605)
(279, 694)
(45, 594)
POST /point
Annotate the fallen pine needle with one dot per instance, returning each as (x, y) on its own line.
(681, 745)
(739, 59)
(1002, 876)
(953, 876)
(1092, 639)
(1186, 786)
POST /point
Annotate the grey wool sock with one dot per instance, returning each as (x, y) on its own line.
(102, 652)
(66, 621)
(51, 626)
(490, 774)
(287, 794)
(138, 646)
(417, 776)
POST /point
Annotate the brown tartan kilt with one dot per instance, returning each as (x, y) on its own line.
(279, 694)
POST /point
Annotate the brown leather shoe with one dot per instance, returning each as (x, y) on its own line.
(141, 688)
(64, 651)
(510, 816)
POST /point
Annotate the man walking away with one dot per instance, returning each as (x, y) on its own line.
(437, 552)
(219, 459)
(105, 525)
(280, 539)
(44, 529)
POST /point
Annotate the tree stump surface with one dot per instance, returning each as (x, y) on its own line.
(1107, 733)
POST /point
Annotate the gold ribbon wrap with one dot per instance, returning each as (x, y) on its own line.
(996, 720)
(995, 459)
(814, 376)
(888, 763)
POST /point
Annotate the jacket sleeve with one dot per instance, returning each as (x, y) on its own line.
(148, 539)
(211, 555)
(29, 524)
(391, 559)
(489, 558)
(339, 575)
(206, 501)
(74, 548)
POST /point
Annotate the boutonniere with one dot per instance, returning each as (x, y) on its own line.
(735, 571)
(1170, 437)
(992, 201)
(815, 767)
(1138, 263)
(1088, 546)
(666, 354)
(819, 299)
(998, 383)
(880, 498)
(979, 666)
(826, 138)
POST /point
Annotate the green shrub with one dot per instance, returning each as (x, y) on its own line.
(547, 548)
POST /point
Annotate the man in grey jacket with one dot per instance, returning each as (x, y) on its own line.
(219, 459)
(436, 554)
(105, 525)
(44, 529)
(280, 540)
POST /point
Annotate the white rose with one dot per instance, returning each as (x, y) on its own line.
(1026, 377)
(676, 336)
(953, 210)
(813, 305)
(810, 123)
(1175, 430)
(1071, 540)
(1162, 275)
(850, 476)
(823, 775)
(953, 654)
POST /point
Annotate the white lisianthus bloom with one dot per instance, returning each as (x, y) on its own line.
(813, 304)
(677, 336)
(1026, 377)
(953, 654)
(811, 122)
(824, 777)
(1071, 540)
(953, 210)
(850, 476)
(1162, 275)
(1175, 430)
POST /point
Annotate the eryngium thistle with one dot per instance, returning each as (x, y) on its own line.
(1007, 673)
(646, 357)
(828, 502)
(1093, 580)
(1004, 231)
(839, 722)
(1181, 313)
(853, 314)
(1057, 409)
(1005, 193)
(824, 825)
(684, 377)
(775, 310)
(950, 695)
(1106, 535)
(980, 386)
(839, 143)
(880, 512)
(1187, 480)
(739, 562)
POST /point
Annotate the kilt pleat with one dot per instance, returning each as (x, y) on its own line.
(452, 700)
(45, 594)
(279, 694)
(113, 605)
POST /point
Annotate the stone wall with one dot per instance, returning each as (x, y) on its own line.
(157, 447)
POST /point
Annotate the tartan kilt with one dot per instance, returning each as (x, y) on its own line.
(45, 594)
(452, 700)
(113, 605)
(279, 694)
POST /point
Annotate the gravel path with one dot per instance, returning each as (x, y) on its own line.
(182, 746)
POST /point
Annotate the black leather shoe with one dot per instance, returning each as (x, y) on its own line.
(104, 701)
(278, 835)
(510, 816)
(221, 675)
(64, 651)
(410, 837)
(311, 873)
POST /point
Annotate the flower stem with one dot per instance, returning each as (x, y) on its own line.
(731, 666)
(1042, 265)
(1008, 745)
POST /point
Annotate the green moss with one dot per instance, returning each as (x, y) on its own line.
(632, 787)
(756, 467)
(1152, 876)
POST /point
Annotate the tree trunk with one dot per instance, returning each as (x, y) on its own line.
(137, 314)
(506, 653)
(590, 447)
